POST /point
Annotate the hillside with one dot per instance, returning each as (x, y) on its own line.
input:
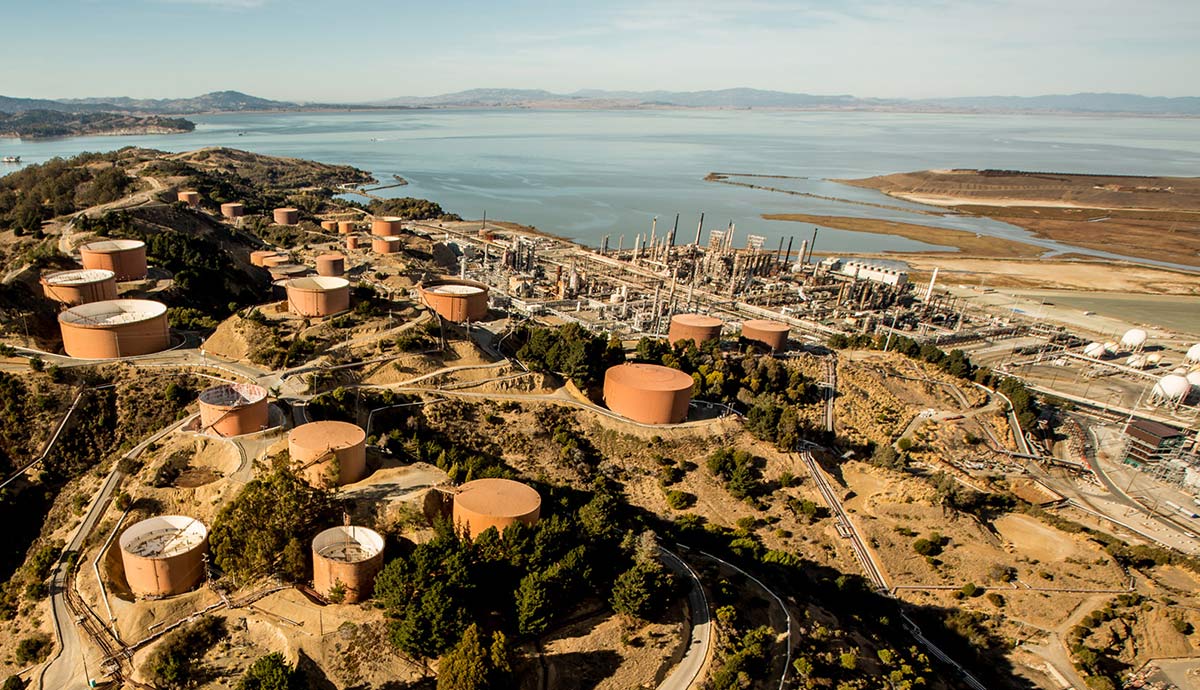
(43, 124)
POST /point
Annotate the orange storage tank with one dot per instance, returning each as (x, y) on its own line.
(330, 225)
(648, 393)
(233, 209)
(331, 264)
(189, 197)
(327, 454)
(318, 295)
(386, 227)
(385, 245)
(498, 503)
(348, 558)
(276, 259)
(164, 555)
(695, 327)
(233, 409)
(770, 334)
(352, 242)
(125, 258)
(286, 216)
(455, 300)
(345, 227)
(114, 328)
(80, 286)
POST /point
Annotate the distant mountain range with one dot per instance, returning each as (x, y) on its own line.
(235, 101)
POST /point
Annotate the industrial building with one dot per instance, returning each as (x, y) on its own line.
(233, 409)
(164, 555)
(648, 393)
(286, 216)
(386, 245)
(318, 295)
(189, 197)
(347, 557)
(328, 453)
(125, 258)
(772, 335)
(485, 503)
(331, 264)
(454, 299)
(114, 328)
(388, 226)
(866, 270)
(695, 327)
(80, 286)
(233, 210)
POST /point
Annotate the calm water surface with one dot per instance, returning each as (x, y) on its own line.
(587, 174)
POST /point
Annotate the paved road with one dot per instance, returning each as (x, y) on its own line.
(688, 670)
(66, 670)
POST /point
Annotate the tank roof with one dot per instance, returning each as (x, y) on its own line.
(113, 312)
(331, 256)
(452, 289)
(163, 536)
(329, 435)
(649, 377)
(78, 276)
(765, 325)
(318, 283)
(389, 219)
(348, 544)
(287, 208)
(232, 394)
(498, 497)
(106, 246)
(699, 320)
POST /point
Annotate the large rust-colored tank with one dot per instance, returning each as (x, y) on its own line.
(286, 216)
(328, 453)
(329, 225)
(770, 334)
(233, 210)
(498, 503)
(347, 557)
(80, 286)
(125, 258)
(385, 245)
(331, 264)
(114, 328)
(285, 271)
(695, 327)
(189, 197)
(164, 555)
(455, 300)
(318, 295)
(345, 227)
(352, 242)
(233, 409)
(648, 393)
(276, 259)
(388, 226)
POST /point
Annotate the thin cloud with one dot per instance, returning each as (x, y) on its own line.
(226, 4)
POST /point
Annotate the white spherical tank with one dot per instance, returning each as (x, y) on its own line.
(1136, 361)
(1193, 354)
(1193, 378)
(1133, 339)
(1171, 388)
(1095, 350)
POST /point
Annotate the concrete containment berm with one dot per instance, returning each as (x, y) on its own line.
(164, 555)
(648, 393)
(346, 561)
(498, 503)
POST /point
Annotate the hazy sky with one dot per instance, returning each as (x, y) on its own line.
(374, 49)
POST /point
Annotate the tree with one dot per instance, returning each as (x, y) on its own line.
(534, 605)
(641, 591)
(270, 672)
(431, 625)
(466, 666)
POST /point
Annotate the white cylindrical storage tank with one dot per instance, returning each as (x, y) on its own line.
(164, 555)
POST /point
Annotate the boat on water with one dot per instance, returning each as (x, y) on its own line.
(10, 159)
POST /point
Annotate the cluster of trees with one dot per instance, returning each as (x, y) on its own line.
(271, 672)
(58, 187)
(516, 583)
(742, 655)
(410, 208)
(570, 350)
(41, 124)
(175, 663)
(739, 471)
(267, 527)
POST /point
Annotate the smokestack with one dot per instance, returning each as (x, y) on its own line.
(812, 246)
(699, 229)
(671, 237)
(788, 256)
(779, 252)
(620, 244)
(653, 228)
(932, 280)
(803, 251)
